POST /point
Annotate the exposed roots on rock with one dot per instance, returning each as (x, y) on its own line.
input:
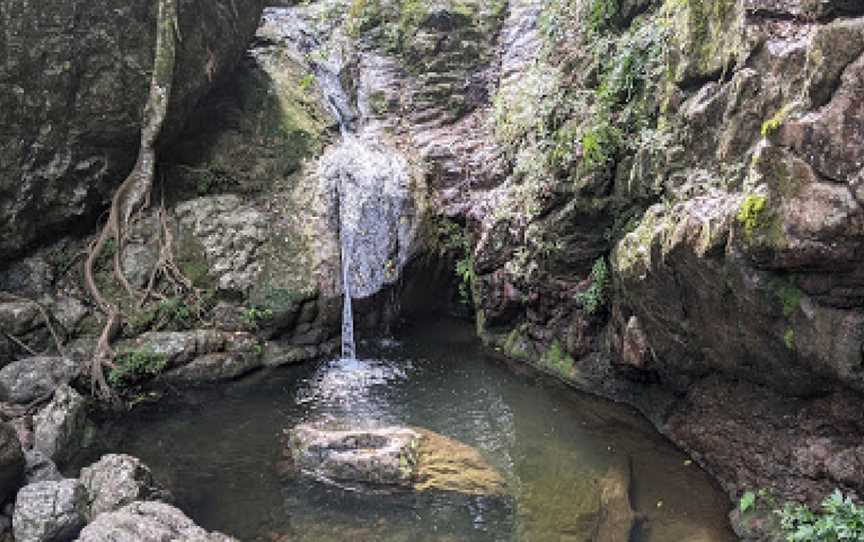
(134, 194)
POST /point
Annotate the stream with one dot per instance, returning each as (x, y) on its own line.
(220, 450)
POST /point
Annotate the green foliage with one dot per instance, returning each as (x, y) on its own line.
(594, 298)
(600, 145)
(602, 14)
(747, 501)
(254, 316)
(465, 272)
(788, 294)
(133, 366)
(750, 214)
(449, 237)
(839, 519)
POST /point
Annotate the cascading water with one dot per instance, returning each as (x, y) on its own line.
(349, 351)
(371, 184)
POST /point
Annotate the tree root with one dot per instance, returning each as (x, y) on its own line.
(133, 195)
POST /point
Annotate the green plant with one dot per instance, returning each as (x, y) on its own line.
(594, 298)
(600, 145)
(132, 366)
(750, 213)
(838, 519)
(465, 272)
(253, 316)
(747, 501)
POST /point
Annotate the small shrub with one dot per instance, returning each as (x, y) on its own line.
(594, 298)
(838, 519)
(132, 366)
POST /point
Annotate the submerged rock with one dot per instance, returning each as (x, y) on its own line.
(402, 457)
(147, 522)
(49, 511)
(117, 480)
(28, 379)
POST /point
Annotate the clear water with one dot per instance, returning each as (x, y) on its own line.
(220, 450)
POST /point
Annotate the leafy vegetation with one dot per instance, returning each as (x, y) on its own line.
(838, 518)
(255, 316)
(133, 366)
(770, 126)
(594, 298)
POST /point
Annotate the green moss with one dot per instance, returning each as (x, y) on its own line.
(770, 126)
(378, 103)
(750, 215)
(789, 338)
(558, 361)
(790, 296)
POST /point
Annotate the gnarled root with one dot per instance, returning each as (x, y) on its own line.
(134, 194)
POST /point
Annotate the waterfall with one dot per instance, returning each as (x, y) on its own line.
(348, 348)
(371, 184)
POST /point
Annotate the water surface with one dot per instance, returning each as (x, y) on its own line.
(220, 450)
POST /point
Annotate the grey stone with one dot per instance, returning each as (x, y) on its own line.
(49, 511)
(24, 380)
(40, 468)
(147, 522)
(231, 233)
(11, 461)
(117, 480)
(59, 428)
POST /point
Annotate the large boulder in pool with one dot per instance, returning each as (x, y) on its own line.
(398, 457)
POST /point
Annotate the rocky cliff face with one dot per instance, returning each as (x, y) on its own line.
(73, 82)
(662, 205)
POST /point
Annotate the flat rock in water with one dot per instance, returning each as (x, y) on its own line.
(401, 457)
